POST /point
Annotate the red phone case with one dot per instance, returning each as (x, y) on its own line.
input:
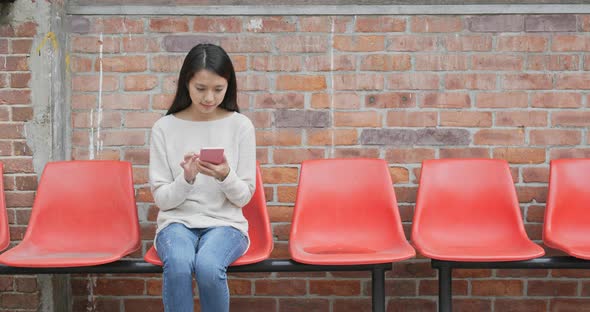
(212, 155)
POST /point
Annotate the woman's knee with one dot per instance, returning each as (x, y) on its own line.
(209, 270)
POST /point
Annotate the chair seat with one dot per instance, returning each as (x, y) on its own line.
(253, 255)
(350, 255)
(523, 250)
(34, 257)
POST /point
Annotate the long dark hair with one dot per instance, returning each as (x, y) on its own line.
(213, 58)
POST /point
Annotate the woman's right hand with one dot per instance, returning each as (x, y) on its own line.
(189, 165)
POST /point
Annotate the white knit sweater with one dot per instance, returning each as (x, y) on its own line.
(207, 202)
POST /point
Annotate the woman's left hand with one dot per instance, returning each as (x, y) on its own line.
(219, 172)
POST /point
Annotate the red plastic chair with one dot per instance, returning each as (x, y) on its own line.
(259, 231)
(467, 210)
(4, 230)
(84, 214)
(567, 216)
(346, 214)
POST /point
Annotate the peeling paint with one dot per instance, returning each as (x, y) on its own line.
(254, 24)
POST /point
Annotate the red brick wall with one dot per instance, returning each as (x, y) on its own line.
(20, 179)
(402, 88)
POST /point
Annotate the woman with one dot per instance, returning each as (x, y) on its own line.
(201, 228)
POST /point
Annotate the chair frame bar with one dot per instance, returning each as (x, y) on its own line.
(445, 271)
(269, 265)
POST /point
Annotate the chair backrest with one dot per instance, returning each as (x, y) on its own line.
(466, 200)
(345, 202)
(92, 203)
(567, 216)
(4, 230)
(256, 213)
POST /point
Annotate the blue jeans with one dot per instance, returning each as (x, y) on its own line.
(205, 252)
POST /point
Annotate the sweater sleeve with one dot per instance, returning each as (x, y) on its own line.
(169, 191)
(240, 183)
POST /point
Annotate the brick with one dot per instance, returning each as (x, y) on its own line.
(137, 157)
(527, 194)
(411, 43)
(296, 156)
(183, 43)
(531, 175)
(446, 100)
(521, 119)
(141, 305)
(92, 83)
(123, 137)
(246, 44)
(358, 82)
(436, 24)
(412, 269)
(279, 100)
(569, 305)
(380, 24)
(522, 43)
(20, 301)
(555, 137)
(315, 23)
(140, 44)
(556, 100)
(431, 136)
(436, 62)
(570, 43)
(252, 82)
(497, 62)
(556, 62)
(168, 25)
(26, 29)
(260, 119)
(479, 43)
(252, 304)
(21, 46)
(92, 44)
(573, 81)
(520, 305)
(357, 119)
(410, 305)
(20, 199)
(340, 100)
(289, 287)
(279, 137)
(466, 119)
(21, 149)
(571, 119)
(302, 44)
(411, 119)
(496, 23)
(330, 62)
(469, 304)
(279, 24)
(497, 288)
(12, 130)
(501, 99)
(14, 63)
(470, 81)
(552, 288)
(408, 156)
(527, 82)
(217, 24)
(391, 100)
(304, 305)
(384, 62)
(430, 288)
(280, 213)
(4, 46)
(125, 101)
(334, 287)
(27, 285)
(359, 43)
(78, 24)
(570, 153)
(499, 137)
(122, 64)
(397, 137)
(80, 64)
(301, 119)
(471, 152)
(412, 81)
(280, 175)
(550, 23)
(83, 101)
(522, 272)
(520, 155)
(108, 119)
(301, 83)
(332, 137)
(240, 62)
(140, 82)
(355, 153)
(141, 119)
(399, 175)
(22, 113)
(276, 63)
(163, 63)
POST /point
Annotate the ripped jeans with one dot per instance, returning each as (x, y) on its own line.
(206, 253)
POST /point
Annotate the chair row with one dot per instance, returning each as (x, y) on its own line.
(345, 213)
(345, 218)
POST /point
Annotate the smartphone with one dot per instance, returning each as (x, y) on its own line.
(213, 155)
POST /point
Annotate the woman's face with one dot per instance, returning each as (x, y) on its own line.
(207, 90)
